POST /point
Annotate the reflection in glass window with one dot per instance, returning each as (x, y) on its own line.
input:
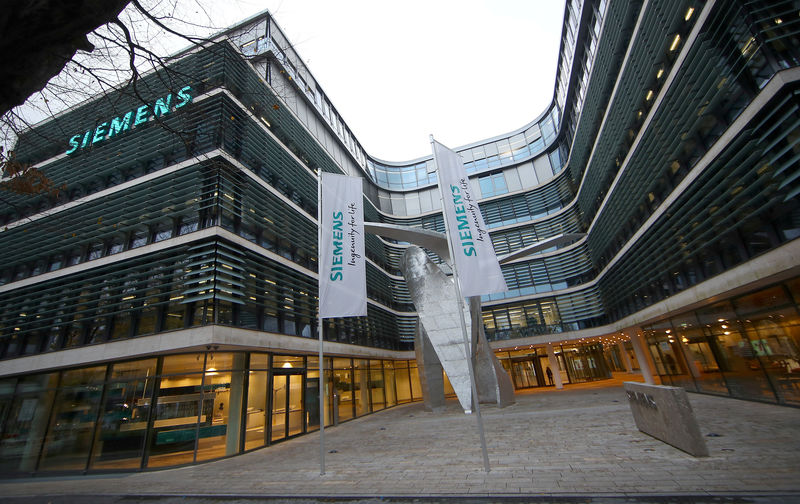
(138, 238)
(255, 434)
(56, 262)
(548, 130)
(486, 186)
(123, 420)
(188, 225)
(556, 161)
(74, 256)
(343, 387)
(504, 151)
(177, 412)
(95, 251)
(72, 422)
(116, 245)
(162, 232)
(361, 386)
(26, 422)
(492, 185)
(223, 394)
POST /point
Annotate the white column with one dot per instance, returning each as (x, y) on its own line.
(551, 357)
(641, 355)
(626, 359)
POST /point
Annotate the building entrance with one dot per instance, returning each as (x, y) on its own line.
(524, 373)
(287, 405)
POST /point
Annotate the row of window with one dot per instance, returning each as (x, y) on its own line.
(127, 313)
(289, 61)
(577, 72)
(654, 187)
(180, 409)
(513, 149)
(191, 285)
(530, 318)
(746, 347)
(525, 175)
(750, 239)
(110, 246)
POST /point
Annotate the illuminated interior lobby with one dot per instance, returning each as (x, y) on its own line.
(161, 309)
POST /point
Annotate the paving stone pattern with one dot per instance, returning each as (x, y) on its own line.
(577, 441)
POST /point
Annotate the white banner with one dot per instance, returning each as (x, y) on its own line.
(478, 270)
(342, 262)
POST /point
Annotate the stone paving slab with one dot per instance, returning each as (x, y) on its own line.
(569, 443)
(542, 499)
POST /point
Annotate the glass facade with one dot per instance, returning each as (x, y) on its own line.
(746, 347)
(671, 149)
(179, 409)
(577, 363)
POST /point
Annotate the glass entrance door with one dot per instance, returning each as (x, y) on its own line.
(287, 406)
(524, 373)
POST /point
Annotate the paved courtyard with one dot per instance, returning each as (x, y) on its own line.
(580, 441)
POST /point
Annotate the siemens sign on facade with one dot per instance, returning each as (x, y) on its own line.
(132, 119)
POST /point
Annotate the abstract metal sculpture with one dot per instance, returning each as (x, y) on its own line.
(438, 340)
(439, 330)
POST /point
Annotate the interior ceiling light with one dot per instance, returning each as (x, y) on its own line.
(675, 42)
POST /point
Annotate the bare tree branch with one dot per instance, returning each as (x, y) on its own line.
(111, 54)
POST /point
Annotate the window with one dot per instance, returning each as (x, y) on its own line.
(492, 185)
(22, 271)
(95, 251)
(56, 262)
(188, 225)
(138, 238)
(162, 231)
(115, 246)
(39, 267)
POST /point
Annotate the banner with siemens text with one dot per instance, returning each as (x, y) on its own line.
(478, 270)
(342, 263)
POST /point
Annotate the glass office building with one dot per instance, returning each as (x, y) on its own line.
(160, 309)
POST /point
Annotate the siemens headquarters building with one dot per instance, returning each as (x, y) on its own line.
(160, 309)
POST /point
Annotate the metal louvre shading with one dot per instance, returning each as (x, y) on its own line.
(621, 121)
(510, 240)
(585, 304)
(739, 187)
(695, 111)
(617, 29)
(549, 273)
(214, 270)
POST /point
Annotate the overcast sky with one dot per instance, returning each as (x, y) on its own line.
(398, 71)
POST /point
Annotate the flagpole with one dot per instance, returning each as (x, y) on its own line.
(320, 333)
(467, 350)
